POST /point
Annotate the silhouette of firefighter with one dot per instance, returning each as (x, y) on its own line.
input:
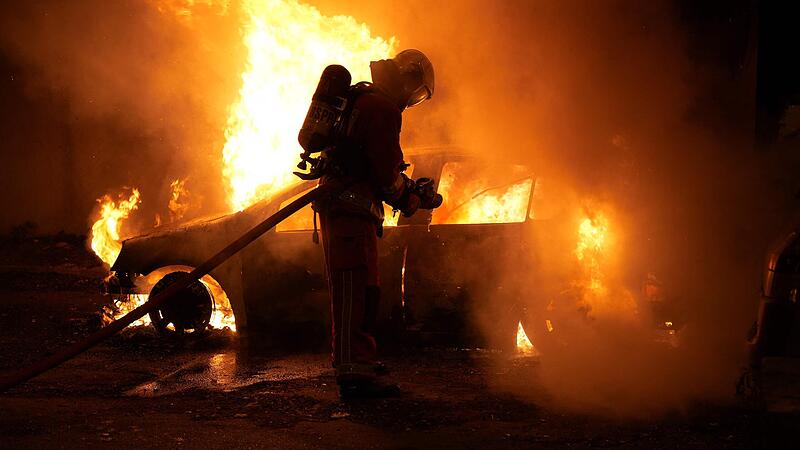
(356, 129)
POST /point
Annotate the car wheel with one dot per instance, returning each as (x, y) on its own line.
(188, 313)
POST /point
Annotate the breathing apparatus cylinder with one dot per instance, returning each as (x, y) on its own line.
(326, 109)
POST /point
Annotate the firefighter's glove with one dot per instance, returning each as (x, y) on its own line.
(413, 203)
(428, 198)
(413, 195)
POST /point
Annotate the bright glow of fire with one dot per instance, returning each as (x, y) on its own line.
(289, 44)
(592, 235)
(179, 200)
(221, 317)
(524, 345)
(105, 239)
(600, 293)
(123, 304)
(474, 199)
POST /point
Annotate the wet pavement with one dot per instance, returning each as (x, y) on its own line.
(229, 371)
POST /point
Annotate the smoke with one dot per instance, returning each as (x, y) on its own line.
(625, 109)
(608, 102)
(105, 95)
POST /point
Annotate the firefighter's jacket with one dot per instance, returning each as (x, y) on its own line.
(372, 159)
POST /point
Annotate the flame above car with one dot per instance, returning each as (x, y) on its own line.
(289, 45)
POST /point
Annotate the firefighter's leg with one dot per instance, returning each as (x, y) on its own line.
(348, 259)
(353, 347)
(371, 307)
(352, 258)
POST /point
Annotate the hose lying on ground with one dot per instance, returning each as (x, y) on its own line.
(157, 300)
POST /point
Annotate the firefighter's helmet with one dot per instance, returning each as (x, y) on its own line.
(417, 73)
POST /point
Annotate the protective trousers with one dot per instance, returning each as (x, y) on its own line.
(351, 258)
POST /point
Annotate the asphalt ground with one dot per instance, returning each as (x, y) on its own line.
(141, 390)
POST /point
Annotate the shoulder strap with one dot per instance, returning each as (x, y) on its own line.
(355, 91)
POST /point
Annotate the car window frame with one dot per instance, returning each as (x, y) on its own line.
(455, 158)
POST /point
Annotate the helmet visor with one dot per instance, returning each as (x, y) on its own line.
(419, 95)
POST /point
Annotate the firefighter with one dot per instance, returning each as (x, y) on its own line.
(370, 162)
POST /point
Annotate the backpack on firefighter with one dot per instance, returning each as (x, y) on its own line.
(408, 78)
(326, 124)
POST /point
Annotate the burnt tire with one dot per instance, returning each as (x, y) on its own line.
(187, 313)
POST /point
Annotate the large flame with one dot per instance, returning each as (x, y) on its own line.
(289, 44)
(105, 240)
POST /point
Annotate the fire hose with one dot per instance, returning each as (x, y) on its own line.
(157, 300)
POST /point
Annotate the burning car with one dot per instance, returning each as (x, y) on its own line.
(441, 271)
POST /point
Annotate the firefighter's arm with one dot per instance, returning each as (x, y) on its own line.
(400, 195)
(408, 195)
(382, 140)
(382, 143)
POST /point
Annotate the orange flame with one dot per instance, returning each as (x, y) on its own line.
(180, 200)
(592, 235)
(473, 199)
(105, 240)
(123, 304)
(221, 317)
(599, 291)
(524, 344)
(289, 44)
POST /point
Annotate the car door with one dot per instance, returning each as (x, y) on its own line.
(460, 272)
(284, 282)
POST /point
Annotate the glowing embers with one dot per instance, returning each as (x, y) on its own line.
(289, 44)
(482, 194)
(105, 239)
(524, 345)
